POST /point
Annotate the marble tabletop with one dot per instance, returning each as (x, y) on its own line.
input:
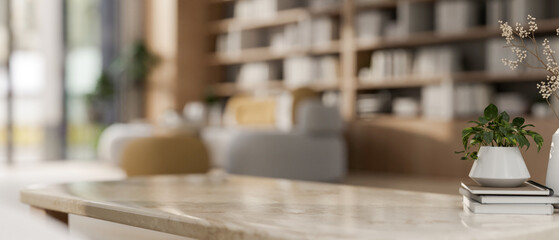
(241, 207)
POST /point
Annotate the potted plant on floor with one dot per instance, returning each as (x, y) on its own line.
(494, 143)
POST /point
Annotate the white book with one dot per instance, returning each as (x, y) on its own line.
(378, 64)
(484, 199)
(496, 10)
(323, 29)
(527, 188)
(455, 16)
(414, 17)
(327, 69)
(369, 24)
(521, 208)
(299, 71)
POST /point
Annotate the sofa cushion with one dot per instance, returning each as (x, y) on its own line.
(314, 118)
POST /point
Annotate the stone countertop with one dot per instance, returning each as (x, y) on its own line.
(241, 207)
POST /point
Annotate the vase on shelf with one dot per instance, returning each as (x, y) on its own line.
(499, 167)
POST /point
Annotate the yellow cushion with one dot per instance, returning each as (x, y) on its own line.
(165, 155)
(250, 111)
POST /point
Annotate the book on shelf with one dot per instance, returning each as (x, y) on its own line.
(508, 199)
(414, 17)
(369, 25)
(496, 10)
(520, 9)
(324, 5)
(324, 30)
(508, 208)
(456, 16)
(528, 188)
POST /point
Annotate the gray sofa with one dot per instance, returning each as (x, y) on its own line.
(314, 150)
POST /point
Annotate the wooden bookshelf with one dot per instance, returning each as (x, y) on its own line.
(376, 5)
(400, 82)
(387, 4)
(508, 77)
(459, 77)
(348, 47)
(229, 89)
(221, 1)
(267, 54)
(434, 38)
(281, 18)
(367, 138)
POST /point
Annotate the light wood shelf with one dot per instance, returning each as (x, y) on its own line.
(400, 82)
(282, 18)
(487, 77)
(221, 1)
(398, 121)
(382, 4)
(432, 38)
(267, 54)
(460, 77)
(376, 5)
(230, 88)
(348, 47)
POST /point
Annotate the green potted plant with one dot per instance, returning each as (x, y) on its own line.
(494, 143)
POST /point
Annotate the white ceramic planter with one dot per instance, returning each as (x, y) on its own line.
(499, 167)
(552, 178)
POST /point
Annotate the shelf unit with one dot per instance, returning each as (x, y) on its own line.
(267, 54)
(349, 47)
(460, 77)
(429, 143)
(260, 54)
(228, 89)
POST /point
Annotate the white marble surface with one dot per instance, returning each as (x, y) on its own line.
(237, 207)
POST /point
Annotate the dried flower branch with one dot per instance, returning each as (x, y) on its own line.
(516, 40)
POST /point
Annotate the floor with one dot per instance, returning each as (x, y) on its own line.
(13, 178)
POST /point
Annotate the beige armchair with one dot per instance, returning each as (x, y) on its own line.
(165, 155)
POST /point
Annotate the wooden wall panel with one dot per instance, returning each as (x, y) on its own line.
(161, 38)
(176, 32)
(192, 67)
(426, 147)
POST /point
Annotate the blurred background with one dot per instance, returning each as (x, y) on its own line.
(403, 78)
(53, 54)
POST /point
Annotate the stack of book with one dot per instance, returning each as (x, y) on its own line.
(529, 198)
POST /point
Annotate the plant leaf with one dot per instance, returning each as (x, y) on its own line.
(505, 116)
(490, 112)
(518, 121)
(476, 122)
(488, 137)
(538, 139)
(467, 131)
(523, 141)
